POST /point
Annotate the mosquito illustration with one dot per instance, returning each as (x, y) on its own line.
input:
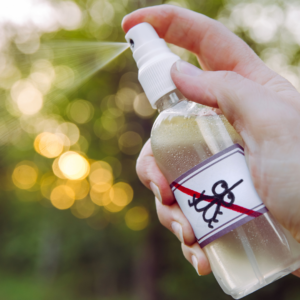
(215, 201)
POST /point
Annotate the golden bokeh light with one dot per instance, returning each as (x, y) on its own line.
(101, 187)
(100, 199)
(80, 111)
(142, 106)
(56, 170)
(101, 180)
(101, 176)
(100, 165)
(83, 209)
(121, 194)
(130, 142)
(48, 144)
(113, 208)
(137, 218)
(73, 165)
(62, 197)
(81, 188)
(25, 175)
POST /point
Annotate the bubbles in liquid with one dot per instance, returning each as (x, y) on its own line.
(179, 143)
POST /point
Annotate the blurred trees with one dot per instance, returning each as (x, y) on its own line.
(75, 221)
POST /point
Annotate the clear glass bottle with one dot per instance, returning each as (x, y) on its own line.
(186, 134)
(252, 255)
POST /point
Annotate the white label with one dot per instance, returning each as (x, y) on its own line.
(218, 195)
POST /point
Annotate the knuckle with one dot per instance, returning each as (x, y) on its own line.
(231, 76)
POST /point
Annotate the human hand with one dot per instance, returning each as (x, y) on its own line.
(262, 106)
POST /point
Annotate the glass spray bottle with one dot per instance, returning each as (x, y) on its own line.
(202, 157)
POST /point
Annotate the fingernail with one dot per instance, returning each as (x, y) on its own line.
(155, 191)
(195, 263)
(187, 68)
(177, 230)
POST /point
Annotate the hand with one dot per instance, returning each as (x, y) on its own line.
(262, 106)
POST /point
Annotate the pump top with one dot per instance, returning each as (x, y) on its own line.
(154, 60)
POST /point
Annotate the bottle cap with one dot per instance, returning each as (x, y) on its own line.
(154, 60)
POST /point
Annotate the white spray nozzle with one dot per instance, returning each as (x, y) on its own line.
(154, 60)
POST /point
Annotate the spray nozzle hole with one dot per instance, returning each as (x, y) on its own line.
(131, 43)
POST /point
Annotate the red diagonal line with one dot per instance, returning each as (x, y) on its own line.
(233, 207)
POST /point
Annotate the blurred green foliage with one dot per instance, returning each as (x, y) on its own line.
(92, 250)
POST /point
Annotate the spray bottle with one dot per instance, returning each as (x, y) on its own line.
(202, 157)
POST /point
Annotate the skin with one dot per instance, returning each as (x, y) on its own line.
(262, 106)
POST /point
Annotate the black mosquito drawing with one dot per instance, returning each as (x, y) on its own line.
(217, 199)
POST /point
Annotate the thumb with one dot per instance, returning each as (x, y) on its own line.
(242, 101)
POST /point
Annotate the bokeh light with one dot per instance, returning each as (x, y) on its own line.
(142, 106)
(101, 199)
(42, 75)
(130, 142)
(70, 130)
(102, 12)
(125, 98)
(121, 194)
(62, 197)
(81, 188)
(25, 175)
(28, 44)
(113, 208)
(80, 111)
(73, 165)
(137, 218)
(48, 144)
(56, 169)
(28, 98)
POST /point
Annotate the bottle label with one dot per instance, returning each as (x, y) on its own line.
(218, 195)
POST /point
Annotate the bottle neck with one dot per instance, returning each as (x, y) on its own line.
(168, 100)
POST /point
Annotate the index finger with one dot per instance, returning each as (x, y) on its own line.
(216, 46)
(152, 177)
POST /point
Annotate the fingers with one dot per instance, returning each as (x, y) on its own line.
(173, 218)
(216, 46)
(243, 102)
(151, 176)
(196, 256)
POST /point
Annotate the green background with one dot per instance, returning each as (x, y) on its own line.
(47, 253)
